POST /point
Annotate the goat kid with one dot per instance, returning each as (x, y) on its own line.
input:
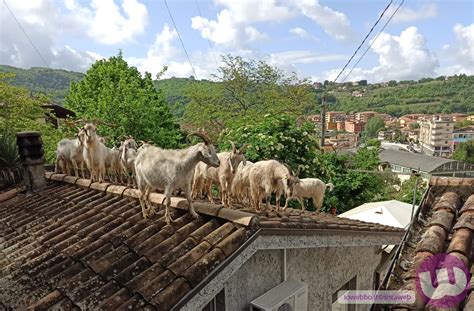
(310, 188)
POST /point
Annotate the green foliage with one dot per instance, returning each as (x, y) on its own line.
(9, 157)
(465, 152)
(52, 82)
(126, 103)
(373, 126)
(275, 137)
(21, 112)
(463, 123)
(247, 90)
(355, 178)
(407, 189)
(456, 94)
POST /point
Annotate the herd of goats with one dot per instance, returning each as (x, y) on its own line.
(194, 169)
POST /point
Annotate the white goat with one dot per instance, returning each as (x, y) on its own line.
(223, 175)
(69, 152)
(240, 190)
(94, 153)
(267, 177)
(128, 154)
(169, 169)
(310, 188)
(113, 165)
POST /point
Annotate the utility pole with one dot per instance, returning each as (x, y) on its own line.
(323, 122)
(417, 175)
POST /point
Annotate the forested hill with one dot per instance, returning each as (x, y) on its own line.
(440, 95)
(451, 94)
(53, 82)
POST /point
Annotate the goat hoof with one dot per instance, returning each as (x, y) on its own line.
(194, 214)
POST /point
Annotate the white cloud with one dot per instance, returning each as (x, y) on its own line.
(106, 24)
(163, 52)
(406, 14)
(302, 33)
(402, 57)
(233, 26)
(461, 53)
(43, 22)
(334, 23)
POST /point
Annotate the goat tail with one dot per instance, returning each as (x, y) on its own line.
(330, 186)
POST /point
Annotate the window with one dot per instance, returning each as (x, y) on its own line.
(217, 303)
(351, 285)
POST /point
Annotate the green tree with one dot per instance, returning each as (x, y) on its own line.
(247, 90)
(21, 112)
(373, 126)
(126, 103)
(407, 189)
(275, 137)
(465, 152)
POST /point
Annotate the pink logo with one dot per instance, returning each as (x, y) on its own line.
(442, 280)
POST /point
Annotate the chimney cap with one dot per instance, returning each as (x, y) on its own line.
(28, 134)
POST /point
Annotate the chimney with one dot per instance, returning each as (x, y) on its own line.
(30, 148)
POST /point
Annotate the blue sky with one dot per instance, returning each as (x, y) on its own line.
(310, 37)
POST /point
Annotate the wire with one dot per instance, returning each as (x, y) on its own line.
(207, 35)
(375, 38)
(363, 41)
(28, 37)
(181, 40)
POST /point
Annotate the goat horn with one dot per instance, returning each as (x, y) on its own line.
(243, 148)
(234, 149)
(203, 136)
(289, 168)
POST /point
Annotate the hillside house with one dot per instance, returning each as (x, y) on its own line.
(72, 244)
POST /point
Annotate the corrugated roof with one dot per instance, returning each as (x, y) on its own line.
(77, 244)
(415, 161)
(445, 225)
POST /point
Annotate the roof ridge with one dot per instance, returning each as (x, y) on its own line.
(217, 210)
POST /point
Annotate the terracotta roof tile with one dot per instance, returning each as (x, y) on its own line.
(72, 246)
(446, 225)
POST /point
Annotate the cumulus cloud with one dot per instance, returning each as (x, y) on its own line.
(460, 53)
(402, 57)
(105, 22)
(334, 23)
(43, 22)
(302, 33)
(233, 26)
(163, 52)
(406, 14)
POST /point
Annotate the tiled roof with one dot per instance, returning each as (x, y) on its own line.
(77, 244)
(445, 225)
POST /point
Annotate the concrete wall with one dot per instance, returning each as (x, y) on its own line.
(324, 269)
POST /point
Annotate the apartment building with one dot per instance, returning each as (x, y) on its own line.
(333, 117)
(365, 116)
(462, 135)
(354, 126)
(436, 135)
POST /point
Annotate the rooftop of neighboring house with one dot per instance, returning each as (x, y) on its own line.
(81, 244)
(444, 224)
(416, 161)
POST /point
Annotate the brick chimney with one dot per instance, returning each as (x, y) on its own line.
(30, 148)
